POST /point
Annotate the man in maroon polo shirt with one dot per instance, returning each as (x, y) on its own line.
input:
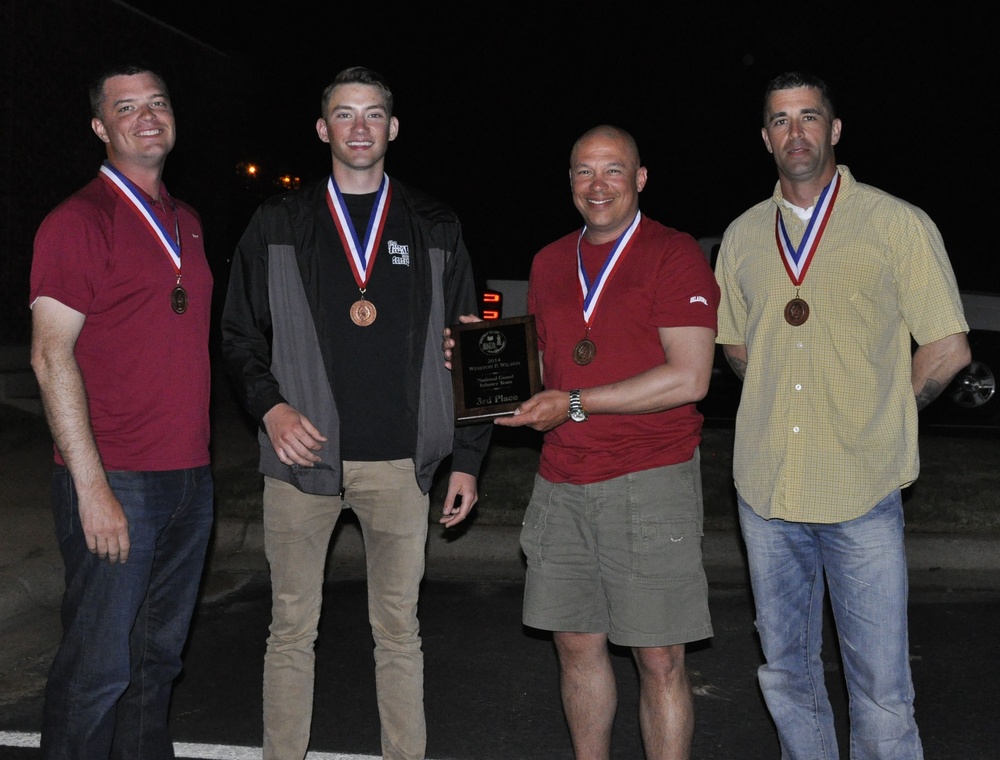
(120, 298)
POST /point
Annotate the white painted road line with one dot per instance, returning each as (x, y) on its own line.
(18, 739)
(188, 750)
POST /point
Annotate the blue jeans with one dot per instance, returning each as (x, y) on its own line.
(864, 562)
(124, 626)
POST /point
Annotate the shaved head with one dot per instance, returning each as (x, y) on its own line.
(615, 133)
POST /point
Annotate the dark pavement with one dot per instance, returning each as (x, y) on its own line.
(492, 688)
(492, 685)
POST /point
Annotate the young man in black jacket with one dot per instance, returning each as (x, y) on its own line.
(337, 299)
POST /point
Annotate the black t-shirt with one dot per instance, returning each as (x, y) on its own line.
(369, 379)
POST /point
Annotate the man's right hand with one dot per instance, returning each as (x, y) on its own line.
(105, 526)
(543, 411)
(294, 438)
(55, 328)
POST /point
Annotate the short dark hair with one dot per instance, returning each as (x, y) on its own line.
(357, 75)
(126, 70)
(792, 79)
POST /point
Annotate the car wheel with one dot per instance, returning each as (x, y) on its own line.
(972, 394)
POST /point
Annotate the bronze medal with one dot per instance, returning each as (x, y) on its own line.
(363, 313)
(584, 352)
(796, 312)
(179, 300)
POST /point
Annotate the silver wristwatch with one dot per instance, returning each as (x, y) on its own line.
(576, 412)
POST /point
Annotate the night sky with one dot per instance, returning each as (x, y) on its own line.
(490, 98)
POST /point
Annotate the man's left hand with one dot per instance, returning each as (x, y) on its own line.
(448, 342)
(462, 497)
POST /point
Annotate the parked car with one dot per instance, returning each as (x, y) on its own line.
(970, 403)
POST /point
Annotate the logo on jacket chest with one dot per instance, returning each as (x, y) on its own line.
(400, 253)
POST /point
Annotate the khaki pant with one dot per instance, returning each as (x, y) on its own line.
(393, 515)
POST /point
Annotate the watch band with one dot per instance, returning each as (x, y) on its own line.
(576, 411)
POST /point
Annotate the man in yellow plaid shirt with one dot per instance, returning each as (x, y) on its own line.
(823, 285)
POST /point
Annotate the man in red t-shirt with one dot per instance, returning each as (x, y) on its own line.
(120, 298)
(625, 312)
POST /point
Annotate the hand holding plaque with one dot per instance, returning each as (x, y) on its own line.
(494, 367)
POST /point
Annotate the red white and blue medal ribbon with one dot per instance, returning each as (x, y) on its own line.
(585, 350)
(360, 253)
(124, 187)
(171, 245)
(797, 260)
(592, 291)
